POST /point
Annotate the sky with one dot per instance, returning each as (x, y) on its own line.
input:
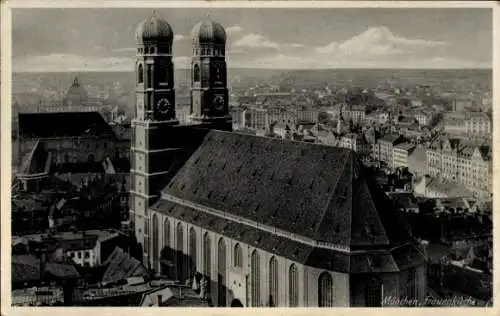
(303, 38)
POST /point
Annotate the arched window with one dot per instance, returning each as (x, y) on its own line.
(207, 268)
(192, 252)
(156, 243)
(373, 293)
(180, 252)
(238, 256)
(255, 275)
(325, 290)
(146, 236)
(221, 274)
(166, 253)
(196, 73)
(163, 71)
(273, 282)
(150, 76)
(166, 233)
(140, 74)
(293, 286)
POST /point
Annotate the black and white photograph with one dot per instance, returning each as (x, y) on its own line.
(226, 156)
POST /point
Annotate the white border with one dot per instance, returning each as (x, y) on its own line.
(5, 117)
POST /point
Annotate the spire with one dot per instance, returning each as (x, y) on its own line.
(75, 82)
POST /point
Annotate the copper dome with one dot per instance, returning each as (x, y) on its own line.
(208, 32)
(154, 29)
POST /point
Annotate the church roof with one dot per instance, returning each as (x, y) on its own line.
(154, 28)
(208, 32)
(312, 191)
(63, 124)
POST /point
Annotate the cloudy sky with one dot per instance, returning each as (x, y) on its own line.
(103, 39)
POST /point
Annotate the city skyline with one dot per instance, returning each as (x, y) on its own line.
(55, 40)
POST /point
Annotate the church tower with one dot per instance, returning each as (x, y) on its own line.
(209, 93)
(155, 113)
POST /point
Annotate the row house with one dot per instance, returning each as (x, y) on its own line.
(464, 163)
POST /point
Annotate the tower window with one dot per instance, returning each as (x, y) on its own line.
(196, 73)
(217, 74)
(140, 74)
(150, 76)
(152, 50)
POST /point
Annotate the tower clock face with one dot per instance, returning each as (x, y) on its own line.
(163, 106)
(219, 102)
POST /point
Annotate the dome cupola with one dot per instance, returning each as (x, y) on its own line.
(208, 32)
(154, 29)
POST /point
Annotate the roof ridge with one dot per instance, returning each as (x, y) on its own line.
(372, 201)
(327, 207)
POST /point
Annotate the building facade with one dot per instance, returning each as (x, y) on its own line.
(468, 164)
(215, 205)
(400, 155)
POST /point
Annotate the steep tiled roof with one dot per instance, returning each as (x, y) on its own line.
(314, 191)
(121, 266)
(26, 268)
(63, 124)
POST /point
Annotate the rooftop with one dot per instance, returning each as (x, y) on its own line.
(63, 124)
(404, 146)
(316, 192)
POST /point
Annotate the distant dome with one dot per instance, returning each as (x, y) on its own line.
(77, 95)
(154, 29)
(208, 32)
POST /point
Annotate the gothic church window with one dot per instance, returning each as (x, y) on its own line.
(238, 256)
(163, 72)
(325, 290)
(273, 282)
(166, 237)
(293, 290)
(156, 241)
(192, 250)
(255, 278)
(150, 76)
(217, 74)
(180, 252)
(221, 274)
(196, 73)
(207, 256)
(140, 74)
(146, 236)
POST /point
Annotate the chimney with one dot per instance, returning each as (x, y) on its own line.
(159, 300)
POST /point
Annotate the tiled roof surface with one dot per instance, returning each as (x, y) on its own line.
(26, 268)
(390, 138)
(120, 266)
(306, 189)
(314, 191)
(63, 124)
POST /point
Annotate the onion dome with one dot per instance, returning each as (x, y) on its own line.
(154, 29)
(208, 32)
